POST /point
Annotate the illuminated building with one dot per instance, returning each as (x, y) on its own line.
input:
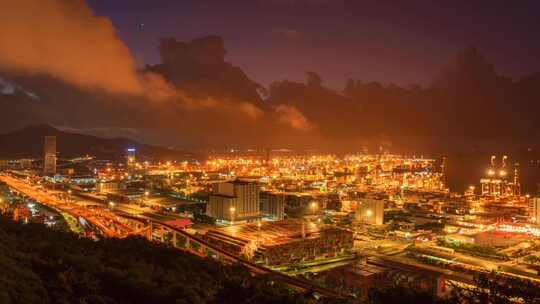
(279, 243)
(534, 210)
(273, 205)
(49, 155)
(22, 214)
(370, 211)
(234, 201)
(25, 163)
(349, 205)
(221, 207)
(109, 186)
(130, 157)
(444, 168)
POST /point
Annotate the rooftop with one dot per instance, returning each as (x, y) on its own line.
(272, 233)
(223, 195)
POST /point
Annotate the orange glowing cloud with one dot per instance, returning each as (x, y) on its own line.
(157, 88)
(64, 39)
(292, 117)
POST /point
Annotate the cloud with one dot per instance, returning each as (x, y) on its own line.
(301, 3)
(225, 106)
(157, 88)
(292, 117)
(64, 39)
(105, 132)
(8, 88)
(291, 34)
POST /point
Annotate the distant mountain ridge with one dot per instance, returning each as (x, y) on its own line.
(28, 143)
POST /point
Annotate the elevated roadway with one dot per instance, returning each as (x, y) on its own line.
(111, 224)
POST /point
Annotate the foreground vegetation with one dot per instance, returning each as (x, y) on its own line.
(40, 265)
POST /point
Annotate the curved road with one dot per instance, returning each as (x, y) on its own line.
(47, 198)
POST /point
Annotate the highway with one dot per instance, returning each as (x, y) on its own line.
(146, 213)
(315, 266)
(111, 226)
(103, 219)
(507, 268)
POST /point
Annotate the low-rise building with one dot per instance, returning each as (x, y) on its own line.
(273, 205)
(370, 211)
(235, 201)
(534, 210)
(279, 243)
(109, 186)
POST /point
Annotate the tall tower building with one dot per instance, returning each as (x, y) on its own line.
(130, 157)
(49, 155)
(444, 168)
(517, 184)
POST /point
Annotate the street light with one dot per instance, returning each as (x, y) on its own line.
(111, 204)
(145, 199)
(232, 210)
(313, 206)
(258, 232)
(67, 198)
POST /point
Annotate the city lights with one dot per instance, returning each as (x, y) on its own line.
(331, 151)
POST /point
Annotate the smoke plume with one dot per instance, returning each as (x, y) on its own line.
(291, 116)
(157, 88)
(64, 39)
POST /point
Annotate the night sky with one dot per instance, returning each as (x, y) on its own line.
(400, 42)
(62, 65)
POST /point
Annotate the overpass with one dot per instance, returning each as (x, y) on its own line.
(125, 225)
(107, 222)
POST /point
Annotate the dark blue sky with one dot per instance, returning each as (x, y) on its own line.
(402, 42)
